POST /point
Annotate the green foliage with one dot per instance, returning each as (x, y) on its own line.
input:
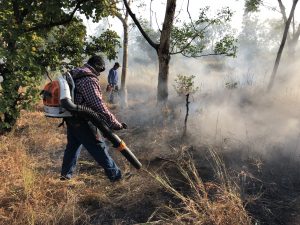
(97, 9)
(185, 84)
(106, 43)
(226, 46)
(252, 5)
(194, 39)
(36, 36)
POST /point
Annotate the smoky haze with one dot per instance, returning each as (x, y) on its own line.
(219, 112)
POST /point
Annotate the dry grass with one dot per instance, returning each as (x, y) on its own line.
(200, 202)
(28, 194)
(31, 193)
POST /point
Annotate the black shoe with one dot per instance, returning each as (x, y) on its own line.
(62, 177)
(125, 176)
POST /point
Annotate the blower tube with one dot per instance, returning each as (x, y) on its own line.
(66, 102)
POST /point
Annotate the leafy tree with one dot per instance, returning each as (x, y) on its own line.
(36, 36)
(189, 40)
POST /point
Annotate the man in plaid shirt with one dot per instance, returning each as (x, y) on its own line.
(82, 132)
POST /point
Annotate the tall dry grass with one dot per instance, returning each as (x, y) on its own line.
(29, 194)
(200, 202)
(32, 194)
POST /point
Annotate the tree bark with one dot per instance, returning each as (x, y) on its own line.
(163, 52)
(292, 40)
(123, 91)
(187, 102)
(162, 49)
(280, 50)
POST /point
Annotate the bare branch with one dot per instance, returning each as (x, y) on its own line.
(282, 10)
(187, 9)
(119, 16)
(204, 55)
(151, 13)
(137, 23)
(157, 23)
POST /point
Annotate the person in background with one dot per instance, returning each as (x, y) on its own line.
(80, 131)
(113, 82)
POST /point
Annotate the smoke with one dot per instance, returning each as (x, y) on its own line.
(220, 113)
(232, 104)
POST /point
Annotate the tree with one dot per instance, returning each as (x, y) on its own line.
(293, 36)
(185, 87)
(124, 20)
(253, 5)
(37, 36)
(280, 50)
(188, 40)
(114, 11)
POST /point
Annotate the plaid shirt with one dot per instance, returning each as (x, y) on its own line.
(88, 93)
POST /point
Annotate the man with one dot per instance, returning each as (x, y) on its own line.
(82, 132)
(113, 81)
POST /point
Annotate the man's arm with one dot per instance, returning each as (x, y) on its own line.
(93, 99)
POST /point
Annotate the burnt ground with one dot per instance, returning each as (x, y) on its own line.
(269, 184)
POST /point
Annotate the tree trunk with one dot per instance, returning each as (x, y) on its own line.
(163, 52)
(12, 111)
(187, 114)
(123, 91)
(284, 37)
(162, 49)
(292, 39)
(163, 72)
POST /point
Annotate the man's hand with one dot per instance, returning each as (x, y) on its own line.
(124, 125)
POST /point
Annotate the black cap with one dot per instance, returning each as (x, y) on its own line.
(97, 62)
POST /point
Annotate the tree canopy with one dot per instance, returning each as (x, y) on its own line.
(38, 36)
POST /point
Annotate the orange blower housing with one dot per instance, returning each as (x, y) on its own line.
(51, 101)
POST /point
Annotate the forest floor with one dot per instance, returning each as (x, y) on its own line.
(180, 183)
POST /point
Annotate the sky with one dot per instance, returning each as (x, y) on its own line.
(158, 7)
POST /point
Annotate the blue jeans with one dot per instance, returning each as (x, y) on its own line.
(83, 132)
(113, 92)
